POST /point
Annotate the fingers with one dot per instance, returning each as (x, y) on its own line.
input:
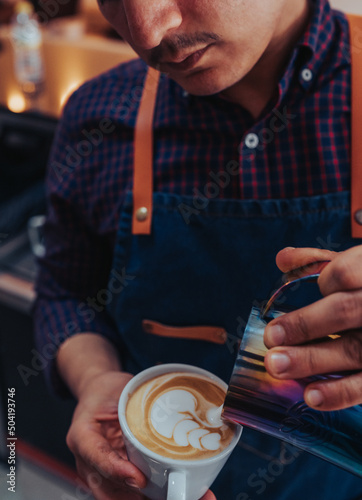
(334, 394)
(332, 356)
(344, 274)
(102, 488)
(330, 315)
(208, 496)
(291, 258)
(100, 457)
(295, 339)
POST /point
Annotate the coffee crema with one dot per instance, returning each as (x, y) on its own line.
(173, 415)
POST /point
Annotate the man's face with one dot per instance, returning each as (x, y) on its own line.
(204, 45)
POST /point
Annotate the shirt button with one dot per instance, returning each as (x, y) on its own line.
(252, 141)
(307, 75)
(358, 216)
(142, 214)
(185, 93)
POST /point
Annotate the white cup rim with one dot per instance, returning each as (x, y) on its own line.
(159, 370)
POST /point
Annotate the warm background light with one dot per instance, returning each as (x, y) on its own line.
(68, 63)
(66, 94)
(16, 102)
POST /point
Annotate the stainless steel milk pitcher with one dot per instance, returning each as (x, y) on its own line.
(276, 407)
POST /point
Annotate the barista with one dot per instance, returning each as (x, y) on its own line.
(251, 154)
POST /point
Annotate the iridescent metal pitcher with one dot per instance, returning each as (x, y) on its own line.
(276, 407)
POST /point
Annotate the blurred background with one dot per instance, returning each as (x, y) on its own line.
(39, 69)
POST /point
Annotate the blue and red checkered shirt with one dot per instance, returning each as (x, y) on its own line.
(299, 147)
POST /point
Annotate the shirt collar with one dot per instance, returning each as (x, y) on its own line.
(310, 60)
(320, 20)
(312, 49)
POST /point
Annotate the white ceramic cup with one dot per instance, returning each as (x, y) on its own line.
(171, 479)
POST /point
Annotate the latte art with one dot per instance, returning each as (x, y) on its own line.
(174, 415)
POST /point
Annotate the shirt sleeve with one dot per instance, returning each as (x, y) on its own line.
(77, 262)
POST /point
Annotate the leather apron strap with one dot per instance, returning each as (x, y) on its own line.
(355, 23)
(143, 156)
(143, 143)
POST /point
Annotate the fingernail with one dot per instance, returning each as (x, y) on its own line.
(314, 398)
(275, 335)
(279, 362)
(132, 483)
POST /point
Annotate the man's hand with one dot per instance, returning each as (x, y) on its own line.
(90, 367)
(292, 355)
(95, 439)
(208, 496)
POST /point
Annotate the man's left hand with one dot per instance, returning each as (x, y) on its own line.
(339, 312)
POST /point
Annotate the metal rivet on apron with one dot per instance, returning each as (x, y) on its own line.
(358, 216)
(142, 214)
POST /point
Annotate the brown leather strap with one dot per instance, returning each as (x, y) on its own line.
(143, 143)
(355, 23)
(214, 334)
(143, 156)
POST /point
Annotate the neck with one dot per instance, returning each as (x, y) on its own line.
(260, 85)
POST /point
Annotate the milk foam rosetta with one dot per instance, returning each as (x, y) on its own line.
(174, 416)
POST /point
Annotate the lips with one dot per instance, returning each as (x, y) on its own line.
(186, 63)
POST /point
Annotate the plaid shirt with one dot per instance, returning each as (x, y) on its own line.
(299, 147)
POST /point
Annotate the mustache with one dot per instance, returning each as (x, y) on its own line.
(173, 46)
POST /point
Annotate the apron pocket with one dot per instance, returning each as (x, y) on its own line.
(214, 334)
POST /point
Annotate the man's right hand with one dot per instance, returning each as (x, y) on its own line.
(95, 439)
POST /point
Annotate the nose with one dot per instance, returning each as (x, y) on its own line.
(150, 20)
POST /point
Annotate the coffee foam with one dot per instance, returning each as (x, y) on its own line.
(175, 415)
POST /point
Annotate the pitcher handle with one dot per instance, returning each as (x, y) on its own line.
(307, 273)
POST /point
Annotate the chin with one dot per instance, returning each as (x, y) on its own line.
(203, 83)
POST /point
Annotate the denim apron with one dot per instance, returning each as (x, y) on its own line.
(190, 282)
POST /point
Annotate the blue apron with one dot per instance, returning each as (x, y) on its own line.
(189, 285)
(208, 272)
